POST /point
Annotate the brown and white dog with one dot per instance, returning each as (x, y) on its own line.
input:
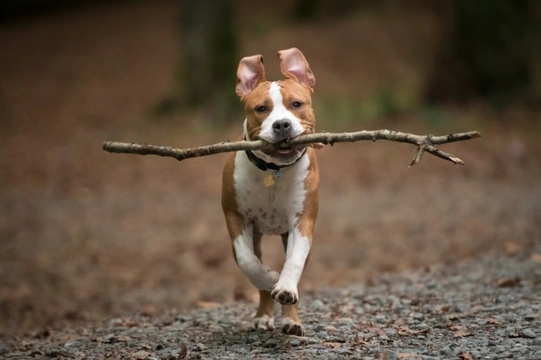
(273, 192)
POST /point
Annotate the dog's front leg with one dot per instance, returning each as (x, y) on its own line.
(242, 234)
(297, 250)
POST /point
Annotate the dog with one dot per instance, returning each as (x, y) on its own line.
(273, 192)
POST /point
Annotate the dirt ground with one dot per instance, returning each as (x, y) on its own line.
(85, 235)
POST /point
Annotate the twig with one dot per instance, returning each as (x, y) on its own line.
(424, 143)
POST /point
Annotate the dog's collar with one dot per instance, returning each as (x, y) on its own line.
(263, 165)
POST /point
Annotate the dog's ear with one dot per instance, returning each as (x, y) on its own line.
(293, 65)
(249, 73)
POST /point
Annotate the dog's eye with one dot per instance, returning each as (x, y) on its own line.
(261, 109)
(296, 104)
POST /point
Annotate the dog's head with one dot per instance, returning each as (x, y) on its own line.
(280, 110)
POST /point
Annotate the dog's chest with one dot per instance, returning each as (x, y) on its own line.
(273, 209)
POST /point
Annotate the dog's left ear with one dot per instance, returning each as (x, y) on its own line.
(293, 65)
(249, 73)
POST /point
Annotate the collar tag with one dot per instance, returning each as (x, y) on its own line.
(268, 180)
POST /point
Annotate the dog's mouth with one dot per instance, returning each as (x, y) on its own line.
(285, 153)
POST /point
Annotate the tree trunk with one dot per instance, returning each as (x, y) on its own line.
(206, 74)
(489, 52)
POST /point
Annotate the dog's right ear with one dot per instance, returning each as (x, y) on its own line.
(250, 73)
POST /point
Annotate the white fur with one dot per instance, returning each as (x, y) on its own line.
(280, 204)
(265, 322)
(259, 274)
(273, 210)
(279, 112)
(298, 248)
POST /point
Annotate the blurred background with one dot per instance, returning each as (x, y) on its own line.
(86, 235)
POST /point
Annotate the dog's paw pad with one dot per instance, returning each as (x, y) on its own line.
(291, 327)
(264, 322)
(285, 296)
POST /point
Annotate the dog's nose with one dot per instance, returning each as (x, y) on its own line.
(281, 127)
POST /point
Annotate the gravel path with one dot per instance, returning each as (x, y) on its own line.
(486, 308)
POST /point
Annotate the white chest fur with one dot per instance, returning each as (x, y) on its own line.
(274, 209)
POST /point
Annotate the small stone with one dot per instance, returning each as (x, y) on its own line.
(4, 349)
(460, 307)
(330, 328)
(419, 316)
(537, 341)
(201, 347)
(140, 355)
(381, 319)
(528, 333)
(446, 350)
(319, 328)
(317, 304)
(391, 355)
(295, 342)
(270, 343)
(530, 317)
(251, 339)
(344, 321)
(72, 343)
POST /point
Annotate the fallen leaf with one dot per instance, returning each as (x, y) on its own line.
(493, 321)
(512, 248)
(123, 338)
(536, 258)
(466, 356)
(408, 356)
(110, 338)
(445, 308)
(149, 310)
(403, 330)
(183, 351)
(508, 282)
(462, 333)
(207, 304)
(420, 332)
(332, 344)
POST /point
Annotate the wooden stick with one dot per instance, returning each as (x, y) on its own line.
(424, 143)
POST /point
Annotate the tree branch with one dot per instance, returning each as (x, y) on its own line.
(424, 143)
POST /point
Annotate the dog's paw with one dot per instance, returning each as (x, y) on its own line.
(264, 322)
(291, 327)
(285, 295)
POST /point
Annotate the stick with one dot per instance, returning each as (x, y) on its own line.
(424, 143)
